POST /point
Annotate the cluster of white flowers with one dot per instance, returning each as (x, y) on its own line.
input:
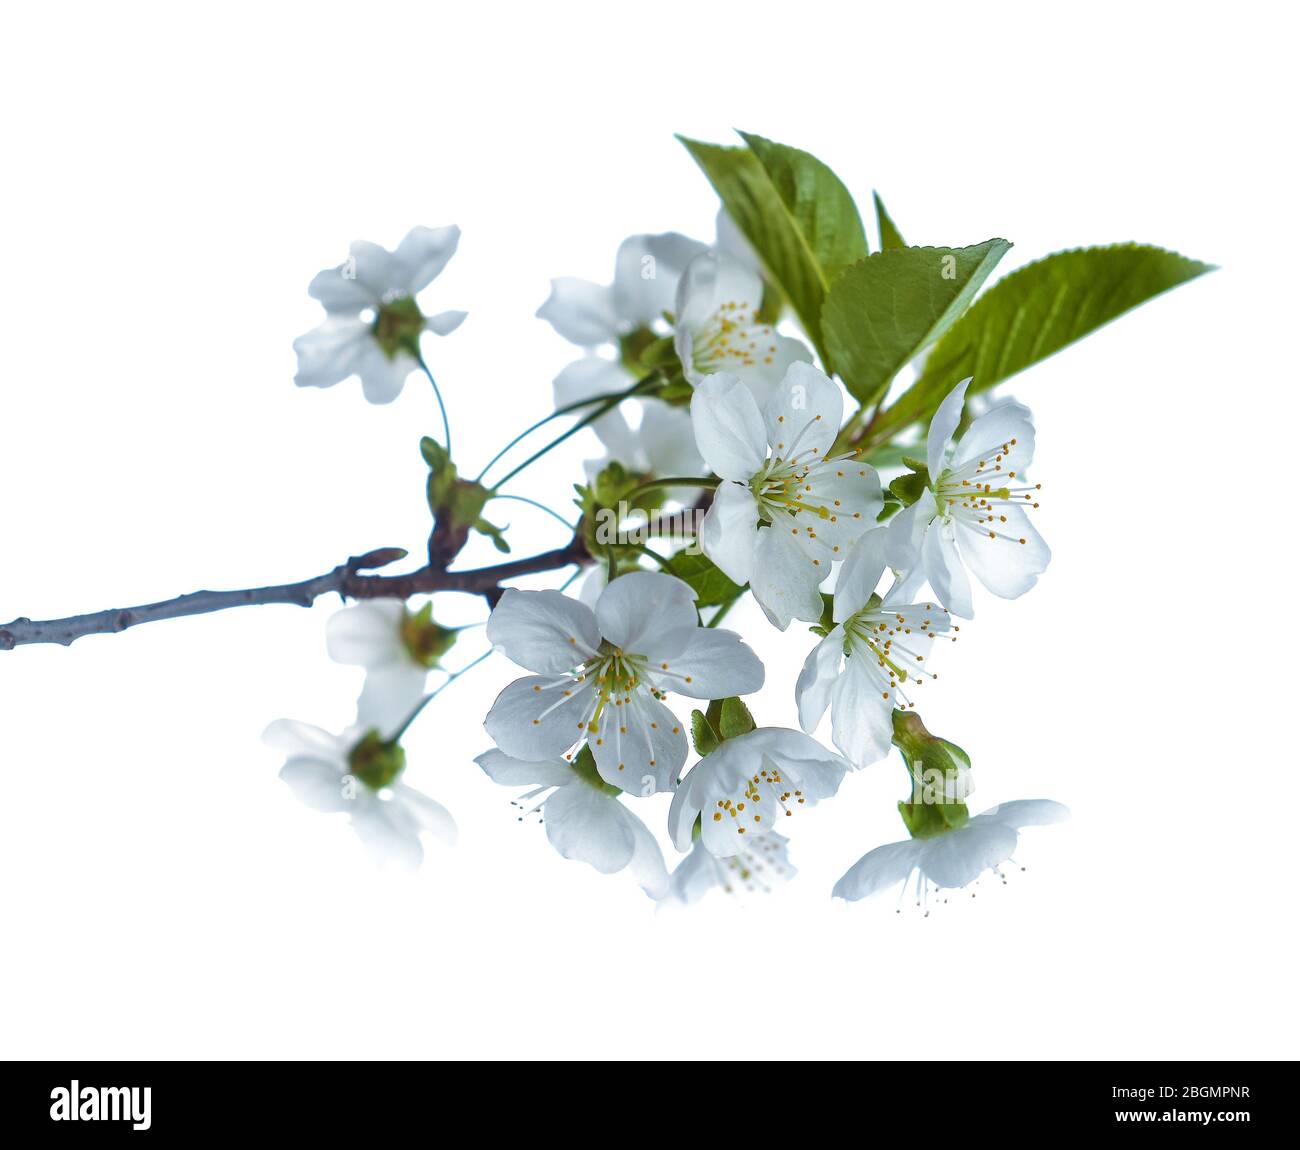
(593, 728)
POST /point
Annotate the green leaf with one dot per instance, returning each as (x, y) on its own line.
(795, 212)
(1033, 313)
(886, 309)
(712, 588)
(890, 237)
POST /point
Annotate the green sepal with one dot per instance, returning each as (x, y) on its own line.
(705, 738)
(908, 488)
(734, 718)
(376, 761)
(455, 502)
(932, 763)
(425, 640)
(398, 327)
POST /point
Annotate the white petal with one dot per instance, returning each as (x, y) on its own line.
(804, 414)
(785, 580)
(531, 723)
(445, 322)
(959, 857)
(714, 665)
(820, 671)
(639, 746)
(341, 293)
(683, 812)
(422, 255)
(389, 695)
(861, 716)
(771, 361)
(710, 281)
(382, 378)
(584, 824)
(906, 531)
(544, 631)
(389, 833)
(581, 311)
(729, 532)
(729, 429)
(731, 241)
(368, 634)
(1026, 813)
(316, 783)
(647, 863)
(1006, 566)
(637, 611)
(942, 426)
(944, 570)
(511, 772)
(667, 436)
(860, 575)
(646, 272)
(878, 870)
(331, 352)
(291, 737)
(994, 430)
(428, 814)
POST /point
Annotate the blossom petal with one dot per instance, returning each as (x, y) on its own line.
(667, 437)
(942, 427)
(804, 414)
(709, 282)
(389, 695)
(960, 856)
(584, 824)
(639, 745)
(332, 351)
(729, 428)
(944, 570)
(341, 293)
(861, 713)
(382, 378)
(511, 772)
(999, 559)
(544, 631)
(581, 311)
(646, 273)
(647, 863)
(715, 664)
(316, 783)
(785, 580)
(445, 322)
(820, 671)
(389, 833)
(860, 575)
(534, 717)
(729, 532)
(367, 634)
(640, 611)
(1026, 813)
(682, 813)
(907, 531)
(994, 430)
(422, 255)
(291, 737)
(769, 362)
(428, 814)
(878, 870)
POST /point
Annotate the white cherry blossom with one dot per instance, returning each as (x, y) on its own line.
(584, 817)
(757, 868)
(601, 676)
(785, 511)
(717, 327)
(860, 670)
(952, 859)
(373, 323)
(972, 515)
(748, 786)
(388, 816)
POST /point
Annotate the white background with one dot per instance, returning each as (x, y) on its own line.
(174, 179)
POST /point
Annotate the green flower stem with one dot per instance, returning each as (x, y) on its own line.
(710, 481)
(442, 407)
(607, 404)
(534, 503)
(721, 612)
(451, 678)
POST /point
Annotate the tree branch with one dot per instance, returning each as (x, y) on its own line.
(346, 580)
